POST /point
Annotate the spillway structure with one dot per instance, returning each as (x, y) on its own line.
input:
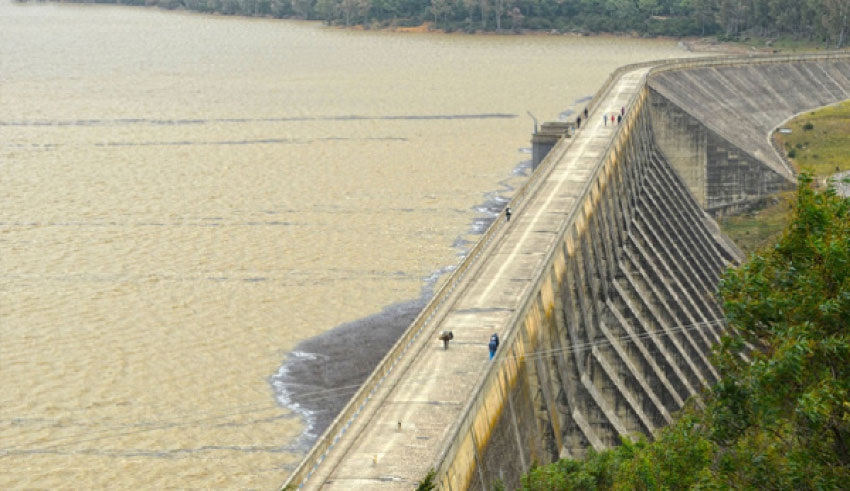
(602, 286)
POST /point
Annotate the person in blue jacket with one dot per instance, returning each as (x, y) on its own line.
(494, 344)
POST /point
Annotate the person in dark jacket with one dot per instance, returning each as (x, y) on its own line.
(445, 337)
(494, 344)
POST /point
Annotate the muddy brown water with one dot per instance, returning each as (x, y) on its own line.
(186, 198)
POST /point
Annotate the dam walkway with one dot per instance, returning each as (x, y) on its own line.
(395, 437)
(602, 286)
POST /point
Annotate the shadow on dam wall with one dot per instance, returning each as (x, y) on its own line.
(627, 305)
(713, 124)
(618, 314)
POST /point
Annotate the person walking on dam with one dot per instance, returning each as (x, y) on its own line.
(494, 345)
(508, 214)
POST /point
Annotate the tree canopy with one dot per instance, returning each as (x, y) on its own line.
(814, 20)
(780, 416)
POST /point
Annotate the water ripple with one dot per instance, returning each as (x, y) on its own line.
(189, 122)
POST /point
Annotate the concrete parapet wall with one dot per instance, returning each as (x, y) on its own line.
(614, 331)
(425, 320)
(624, 339)
(617, 335)
(721, 175)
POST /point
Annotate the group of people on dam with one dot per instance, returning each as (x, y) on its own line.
(615, 118)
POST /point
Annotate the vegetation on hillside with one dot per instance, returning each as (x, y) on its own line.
(780, 417)
(816, 145)
(820, 21)
(819, 140)
(759, 226)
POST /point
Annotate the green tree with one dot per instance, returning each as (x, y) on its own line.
(484, 7)
(733, 16)
(303, 8)
(499, 9)
(822, 20)
(352, 9)
(427, 483)
(440, 9)
(470, 6)
(793, 304)
(780, 416)
(835, 20)
(702, 11)
(327, 10)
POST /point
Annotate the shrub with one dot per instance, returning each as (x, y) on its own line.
(427, 483)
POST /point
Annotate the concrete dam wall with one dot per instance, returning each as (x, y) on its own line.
(602, 286)
(626, 315)
(713, 123)
(618, 336)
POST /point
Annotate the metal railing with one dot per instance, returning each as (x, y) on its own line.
(461, 428)
(352, 410)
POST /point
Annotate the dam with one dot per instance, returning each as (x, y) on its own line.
(601, 286)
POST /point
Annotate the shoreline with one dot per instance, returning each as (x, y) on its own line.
(318, 377)
(690, 44)
(707, 44)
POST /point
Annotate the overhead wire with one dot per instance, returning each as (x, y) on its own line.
(575, 348)
(183, 420)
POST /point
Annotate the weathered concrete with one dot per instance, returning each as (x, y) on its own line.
(544, 140)
(602, 290)
(712, 123)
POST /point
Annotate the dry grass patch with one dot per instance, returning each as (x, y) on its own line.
(819, 140)
(760, 227)
(819, 144)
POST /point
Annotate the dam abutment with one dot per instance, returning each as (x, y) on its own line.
(636, 332)
(612, 343)
(602, 287)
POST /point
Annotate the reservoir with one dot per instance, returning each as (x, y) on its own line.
(184, 199)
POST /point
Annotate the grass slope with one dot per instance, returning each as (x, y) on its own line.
(818, 144)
